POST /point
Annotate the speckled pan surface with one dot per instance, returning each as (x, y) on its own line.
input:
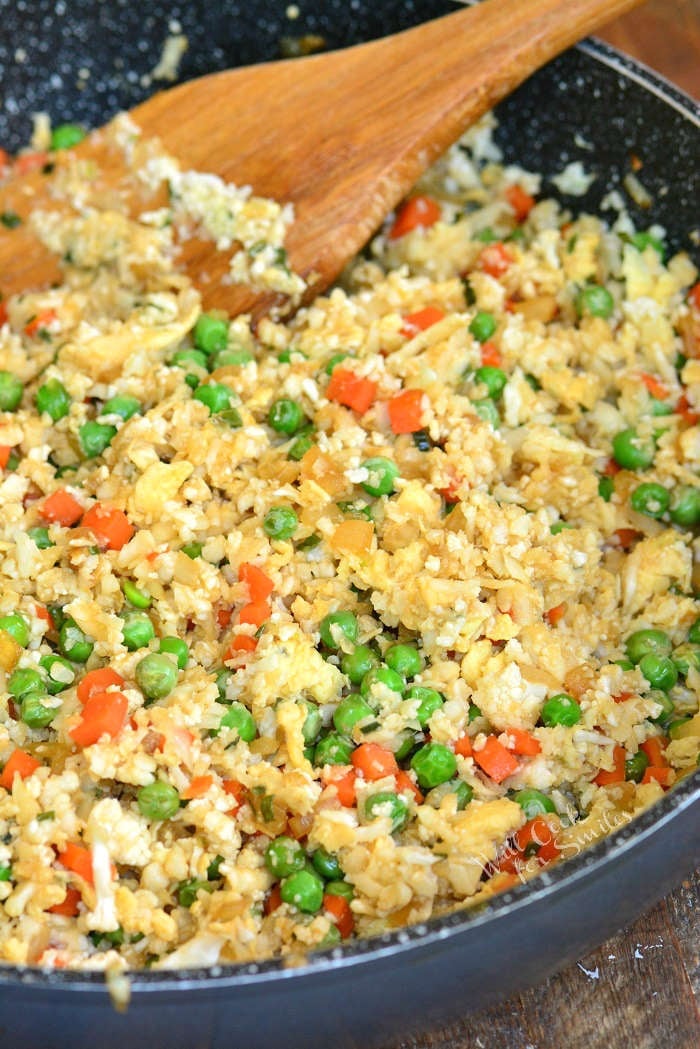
(84, 60)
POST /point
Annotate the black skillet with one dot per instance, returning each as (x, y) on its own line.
(82, 61)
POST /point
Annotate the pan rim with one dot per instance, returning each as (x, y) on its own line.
(560, 880)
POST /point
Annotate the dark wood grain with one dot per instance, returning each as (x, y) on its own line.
(641, 988)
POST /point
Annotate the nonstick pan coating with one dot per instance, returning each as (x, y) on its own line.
(83, 61)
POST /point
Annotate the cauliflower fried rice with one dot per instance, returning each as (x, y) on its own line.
(314, 629)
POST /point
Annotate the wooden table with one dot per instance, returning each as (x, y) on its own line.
(639, 990)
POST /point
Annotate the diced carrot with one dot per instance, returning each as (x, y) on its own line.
(406, 411)
(495, 760)
(451, 493)
(273, 900)
(421, 320)
(62, 508)
(4, 315)
(259, 585)
(354, 391)
(660, 774)
(694, 296)
(373, 761)
(687, 414)
(237, 792)
(626, 537)
(78, 859)
(110, 526)
(535, 832)
(617, 773)
(554, 615)
(224, 617)
(404, 783)
(495, 259)
(621, 697)
(5, 452)
(68, 907)
(520, 201)
(339, 910)
(548, 852)
(463, 747)
(240, 643)
(491, 356)
(4, 159)
(42, 612)
(418, 212)
(611, 468)
(104, 714)
(345, 789)
(19, 764)
(255, 612)
(654, 748)
(198, 787)
(42, 320)
(28, 162)
(655, 387)
(98, 680)
(523, 742)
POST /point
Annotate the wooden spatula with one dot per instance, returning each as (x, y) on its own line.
(343, 136)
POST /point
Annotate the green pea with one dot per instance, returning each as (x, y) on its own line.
(668, 707)
(384, 803)
(327, 864)
(313, 722)
(595, 301)
(299, 447)
(559, 526)
(284, 856)
(334, 361)
(636, 766)
(41, 538)
(193, 550)
(95, 437)
(408, 742)
(229, 358)
(137, 631)
(644, 642)
(156, 675)
(123, 406)
(303, 890)
(188, 359)
(357, 663)
(433, 764)
(175, 646)
(158, 801)
(65, 136)
(606, 487)
(561, 709)
(675, 727)
(34, 713)
(534, 802)
(646, 239)
(494, 379)
(378, 679)
(11, 390)
(487, 410)
(485, 235)
(332, 937)
(333, 749)
(54, 399)
(660, 671)
(381, 476)
(429, 700)
(626, 664)
(57, 614)
(351, 710)
(210, 333)
(137, 598)
(694, 632)
(17, 627)
(60, 674)
(24, 680)
(5, 873)
(231, 417)
(280, 523)
(186, 891)
(215, 395)
(240, 719)
(406, 660)
(685, 657)
(650, 499)
(483, 326)
(337, 628)
(458, 787)
(632, 452)
(339, 887)
(286, 416)
(474, 713)
(685, 506)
